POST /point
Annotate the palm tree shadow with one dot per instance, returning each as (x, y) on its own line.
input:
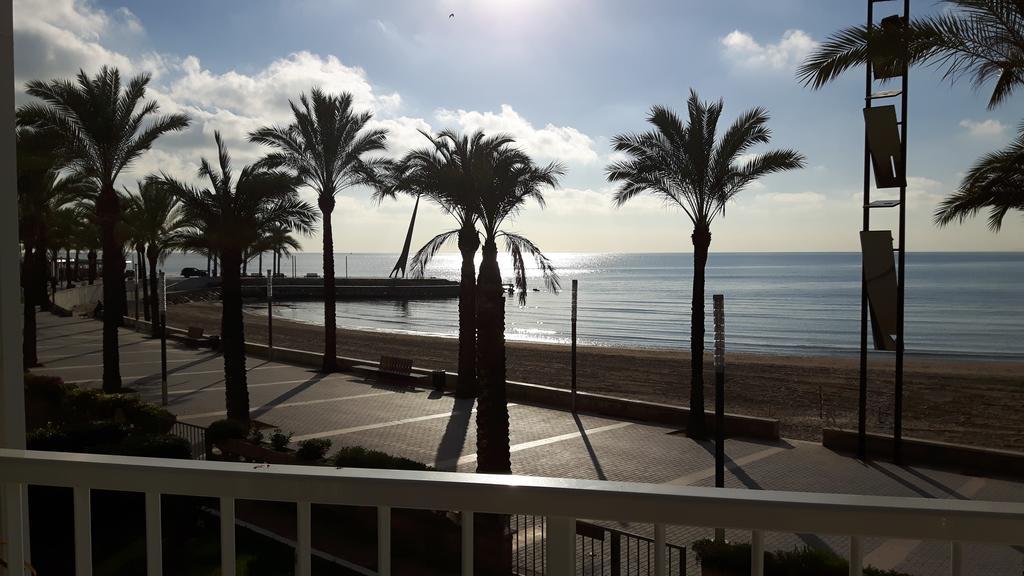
(590, 449)
(315, 378)
(153, 378)
(454, 437)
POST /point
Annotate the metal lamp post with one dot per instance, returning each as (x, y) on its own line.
(719, 304)
(270, 315)
(575, 287)
(163, 338)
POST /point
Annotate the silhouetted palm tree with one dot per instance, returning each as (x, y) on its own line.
(682, 164)
(103, 128)
(326, 146)
(983, 39)
(447, 174)
(231, 213)
(995, 182)
(157, 222)
(512, 180)
(278, 240)
(42, 192)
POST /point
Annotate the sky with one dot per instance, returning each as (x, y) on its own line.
(563, 78)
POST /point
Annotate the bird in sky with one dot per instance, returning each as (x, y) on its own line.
(452, 15)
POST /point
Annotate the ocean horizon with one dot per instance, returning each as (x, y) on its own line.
(961, 304)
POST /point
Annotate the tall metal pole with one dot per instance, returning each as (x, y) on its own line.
(862, 395)
(346, 265)
(270, 315)
(575, 288)
(136, 291)
(163, 338)
(719, 306)
(897, 434)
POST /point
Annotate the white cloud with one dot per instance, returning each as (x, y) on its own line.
(744, 51)
(984, 128)
(551, 142)
(793, 199)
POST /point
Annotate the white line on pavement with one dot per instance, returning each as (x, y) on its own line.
(542, 442)
(269, 407)
(365, 427)
(174, 375)
(127, 364)
(706, 473)
(100, 352)
(217, 388)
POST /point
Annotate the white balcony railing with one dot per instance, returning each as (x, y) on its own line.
(561, 501)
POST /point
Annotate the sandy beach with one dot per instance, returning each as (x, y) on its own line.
(968, 402)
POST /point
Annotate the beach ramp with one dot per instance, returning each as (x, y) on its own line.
(880, 280)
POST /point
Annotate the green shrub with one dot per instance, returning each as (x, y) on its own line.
(729, 558)
(359, 457)
(313, 449)
(279, 440)
(221, 430)
(48, 388)
(88, 436)
(158, 446)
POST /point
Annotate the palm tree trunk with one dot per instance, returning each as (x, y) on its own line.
(245, 265)
(41, 273)
(92, 266)
(78, 254)
(29, 277)
(469, 242)
(330, 362)
(108, 212)
(208, 264)
(67, 267)
(154, 302)
(143, 275)
(259, 267)
(492, 441)
(696, 427)
(216, 263)
(232, 330)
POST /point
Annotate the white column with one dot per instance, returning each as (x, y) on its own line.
(154, 536)
(757, 553)
(304, 547)
(560, 545)
(83, 532)
(956, 559)
(856, 556)
(227, 535)
(384, 540)
(467, 543)
(660, 564)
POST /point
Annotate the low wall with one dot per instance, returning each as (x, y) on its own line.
(932, 454)
(736, 425)
(80, 298)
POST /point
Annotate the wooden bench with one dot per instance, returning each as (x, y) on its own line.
(392, 367)
(195, 338)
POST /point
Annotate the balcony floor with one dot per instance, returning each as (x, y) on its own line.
(440, 430)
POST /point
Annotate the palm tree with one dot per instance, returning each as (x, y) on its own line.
(103, 127)
(157, 222)
(278, 240)
(447, 173)
(231, 213)
(995, 182)
(510, 179)
(42, 193)
(983, 39)
(682, 164)
(326, 146)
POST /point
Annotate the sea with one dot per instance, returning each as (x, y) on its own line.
(959, 304)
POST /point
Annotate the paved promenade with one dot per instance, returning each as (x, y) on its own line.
(440, 430)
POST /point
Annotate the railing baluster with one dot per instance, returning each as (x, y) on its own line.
(304, 546)
(757, 553)
(467, 543)
(154, 536)
(659, 550)
(560, 545)
(227, 535)
(15, 517)
(83, 532)
(856, 556)
(616, 554)
(956, 559)
(384, 540)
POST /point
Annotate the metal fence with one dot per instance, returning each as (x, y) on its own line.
(196, 436)
(600, 551)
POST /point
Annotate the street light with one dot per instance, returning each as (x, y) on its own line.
(163, 338)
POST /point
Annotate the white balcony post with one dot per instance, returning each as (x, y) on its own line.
(154, 536)
(304, 547)
(384, 540)
(856, 556)
(560, 545)
(467, 543)
(14, 512)
(757, 553)
(227, 535)
(660, 568)
(956, 559)
(83, 532)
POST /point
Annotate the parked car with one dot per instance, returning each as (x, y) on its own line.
(312, 275)
(193, 272)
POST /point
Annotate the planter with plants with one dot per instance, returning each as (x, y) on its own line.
(733, 559)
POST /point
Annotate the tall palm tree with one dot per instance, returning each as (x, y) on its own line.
(231, 212)
(995, 182)
(278, 240)
(683, 165)
(42, 192)
(512, 179)
(448, 173)
(326, 146)
(982, 39)
(103, 127)
(157, 223)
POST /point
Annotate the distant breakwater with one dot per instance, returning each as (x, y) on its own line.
(311, 289)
